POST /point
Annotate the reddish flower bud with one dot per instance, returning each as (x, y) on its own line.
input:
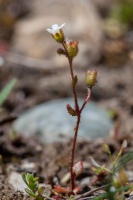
(72, 48)
(78, 168)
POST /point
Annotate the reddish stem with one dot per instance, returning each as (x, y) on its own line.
(73, 152)
(87, 99)
(72, 77)
(75, 138)
(79, 111)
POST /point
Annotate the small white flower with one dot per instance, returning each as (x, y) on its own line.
(55, 28)
(56, 32)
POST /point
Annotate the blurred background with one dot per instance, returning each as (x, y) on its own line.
(104, 30)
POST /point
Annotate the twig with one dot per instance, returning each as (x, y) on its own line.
(87, 198)
(91, 192)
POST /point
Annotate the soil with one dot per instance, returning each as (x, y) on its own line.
(51, 161)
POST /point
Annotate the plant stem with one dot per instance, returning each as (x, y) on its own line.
(72, 77)
(75, 138)
(78, 111)
(73, 152)
(87, 99)
(73, 86)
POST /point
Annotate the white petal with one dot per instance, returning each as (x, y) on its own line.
(61, 26)
(50, 31)
(124, 144)
(94, 162)
(55, 27)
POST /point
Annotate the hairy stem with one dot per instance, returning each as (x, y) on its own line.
(73, 151)
(72, 77)
(73, 86)
(75, 137)
(78, 111)
(86, 100)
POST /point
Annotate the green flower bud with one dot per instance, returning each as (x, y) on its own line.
(72, 48)
(91, 78)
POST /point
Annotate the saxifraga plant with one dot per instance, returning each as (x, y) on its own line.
(116, 177)
(70, 50)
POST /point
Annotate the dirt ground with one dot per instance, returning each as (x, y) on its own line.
(36, 85)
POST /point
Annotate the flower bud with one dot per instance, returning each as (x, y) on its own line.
(91, 78)
(124, 146)
(78, 168)
(106, 149)
(72, 48)
(61, 51)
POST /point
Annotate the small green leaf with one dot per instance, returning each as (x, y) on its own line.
(30, 192)
(30, 177)
(36, 186)
(35, 179)
(24, 178)
(6, 91)
(41, 190)
(40, 198)
(75, 80)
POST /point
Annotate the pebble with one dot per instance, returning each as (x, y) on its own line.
(16, 180)
(50, 122)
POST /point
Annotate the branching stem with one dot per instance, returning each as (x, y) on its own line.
(78, 111)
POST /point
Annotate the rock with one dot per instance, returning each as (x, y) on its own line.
(51, 123)
(16, 180)
(82, 23)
